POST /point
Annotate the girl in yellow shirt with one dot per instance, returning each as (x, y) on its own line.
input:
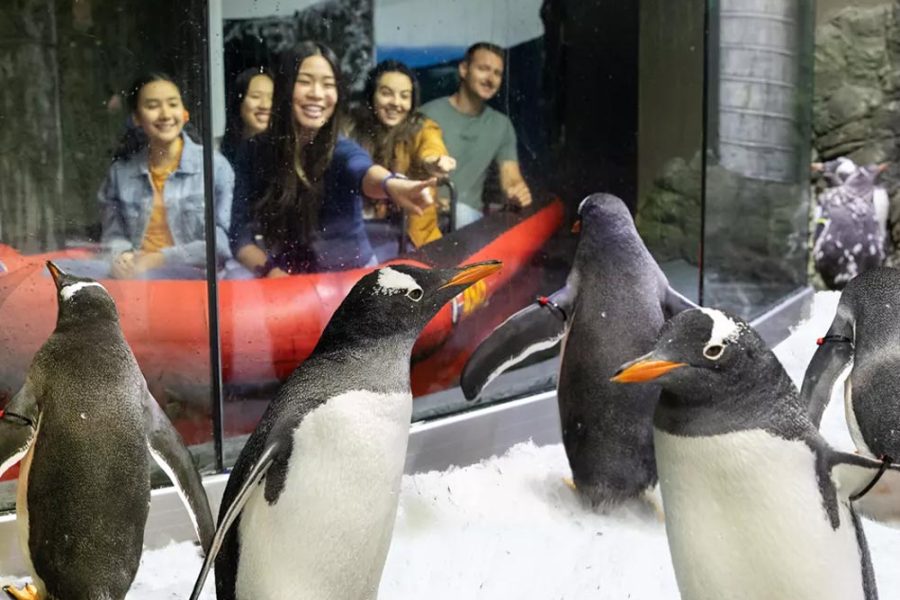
(389, 126)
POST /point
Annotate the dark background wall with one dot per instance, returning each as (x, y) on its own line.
(592, 86)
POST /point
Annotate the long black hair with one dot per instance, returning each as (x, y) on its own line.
(134, 139)
(378, 139)
(234, 123)
(289, 210)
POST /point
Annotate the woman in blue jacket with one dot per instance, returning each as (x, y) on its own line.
(152, 202)
(298, 195)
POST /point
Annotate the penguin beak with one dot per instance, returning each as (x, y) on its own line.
(469, 274)
(644, 368)
(55, 272)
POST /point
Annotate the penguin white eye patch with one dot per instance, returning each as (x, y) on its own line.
(390, 281)
(70, 290)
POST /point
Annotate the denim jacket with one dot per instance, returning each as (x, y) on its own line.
(126, 201)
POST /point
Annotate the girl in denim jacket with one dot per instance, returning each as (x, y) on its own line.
(152, 202)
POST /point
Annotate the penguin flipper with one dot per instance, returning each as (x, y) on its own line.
(873, 486)
(257, 472)
(18, 426)
(831, 358)
(168, 450)
(539, 326)
(675, 302)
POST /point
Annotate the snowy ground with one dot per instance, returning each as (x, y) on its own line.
(509, 529)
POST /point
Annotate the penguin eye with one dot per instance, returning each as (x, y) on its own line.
(713, 352)
(415, 294)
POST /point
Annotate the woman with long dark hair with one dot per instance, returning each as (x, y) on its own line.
(248, 109)
(388, 125)
(298, 200)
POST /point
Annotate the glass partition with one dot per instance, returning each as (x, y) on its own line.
(759, 89)
(670, 138)
(76, 186)
(270, 324)
(696, 115)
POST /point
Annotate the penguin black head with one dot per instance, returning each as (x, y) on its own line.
(700, 353)
(398, 300)
(604, 221)
(80, 299)
(602, 207)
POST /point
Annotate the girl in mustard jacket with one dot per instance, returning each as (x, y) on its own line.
(389, 126)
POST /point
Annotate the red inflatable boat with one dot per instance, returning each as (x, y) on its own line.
(267, 326)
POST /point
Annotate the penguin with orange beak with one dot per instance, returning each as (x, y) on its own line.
(86, 430)
(309, 508)
(757, 504)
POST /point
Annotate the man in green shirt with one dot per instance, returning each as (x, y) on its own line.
(476, 135)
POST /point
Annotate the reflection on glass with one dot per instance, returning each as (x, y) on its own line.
(132, 220)
(758, 149)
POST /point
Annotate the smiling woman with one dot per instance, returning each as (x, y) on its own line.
(248, 107)
(152, 200)
(388, 125)
(299, 187)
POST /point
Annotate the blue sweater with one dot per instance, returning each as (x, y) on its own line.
(340, 242)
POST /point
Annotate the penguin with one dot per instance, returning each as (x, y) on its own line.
(851, 224)
(85, 428)
(613, 304)
(757, 504)
(865, 338)
(309, 508)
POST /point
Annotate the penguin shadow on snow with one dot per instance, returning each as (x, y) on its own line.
(614, 303)
(756, 500)
(85, 428)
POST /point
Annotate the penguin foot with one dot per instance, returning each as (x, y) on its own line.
(29, 592)
(656, 507)
(570, 483)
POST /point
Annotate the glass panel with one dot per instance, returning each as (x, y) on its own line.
(760, 85)
(70, 68)
(670, 166)
(270, 325)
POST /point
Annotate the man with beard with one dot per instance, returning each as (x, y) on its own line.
(477, 135)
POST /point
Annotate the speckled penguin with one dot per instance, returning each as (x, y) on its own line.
(85, 427)
(864, 337)
(757, 504)
(614, 303)
(309, 509)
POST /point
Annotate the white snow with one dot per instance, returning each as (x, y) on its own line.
(509, 528)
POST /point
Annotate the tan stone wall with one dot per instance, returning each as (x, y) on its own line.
(826, 9)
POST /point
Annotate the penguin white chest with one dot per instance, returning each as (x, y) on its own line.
(328, 534)
(745, 519)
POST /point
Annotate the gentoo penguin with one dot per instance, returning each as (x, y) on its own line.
(865, 333)
(309, 507)
(613, 304)
(85, 427)
(851, 223)
(757, 504)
